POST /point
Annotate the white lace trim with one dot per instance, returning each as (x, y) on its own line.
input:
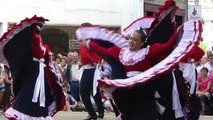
(18, 28)
(52, 109)
(190, 38)
(128, 57)
(12, 113)
(101, 33)
(144, 22)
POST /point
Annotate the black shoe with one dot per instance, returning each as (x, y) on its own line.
(91, 118)
(101, 115)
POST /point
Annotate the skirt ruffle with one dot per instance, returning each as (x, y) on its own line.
(11, 113)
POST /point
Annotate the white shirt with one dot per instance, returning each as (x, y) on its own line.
(75, 72)
(209, 67)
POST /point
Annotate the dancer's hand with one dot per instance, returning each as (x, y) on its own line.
(86, 43)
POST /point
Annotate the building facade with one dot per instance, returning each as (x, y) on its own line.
(151, 6)
(65, 16)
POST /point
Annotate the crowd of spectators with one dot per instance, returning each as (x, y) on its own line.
(68, 69)
(204, 88)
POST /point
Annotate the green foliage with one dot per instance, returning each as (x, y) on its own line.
(204, 46)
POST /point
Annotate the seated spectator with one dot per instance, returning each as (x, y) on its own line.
(79, 107)
(6, 103)
(2, 77)
(203, 88)
(210, 102)
(107, 105)
(106, 70)
(71, 103)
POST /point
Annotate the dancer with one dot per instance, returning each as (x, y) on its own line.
(143, 64)
(89, 60)
(38, 94)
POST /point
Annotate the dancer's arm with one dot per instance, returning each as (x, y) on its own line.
(111, 52)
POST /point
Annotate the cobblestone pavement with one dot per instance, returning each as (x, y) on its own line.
(82, 115)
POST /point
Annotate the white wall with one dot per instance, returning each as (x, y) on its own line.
(73, 12)
(207, 10)
(1, 28)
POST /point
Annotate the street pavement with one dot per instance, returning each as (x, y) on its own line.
(83, 115)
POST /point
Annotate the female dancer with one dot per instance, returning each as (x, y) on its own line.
(135, 96)
(38, 96)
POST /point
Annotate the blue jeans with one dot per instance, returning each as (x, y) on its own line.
(74, 90)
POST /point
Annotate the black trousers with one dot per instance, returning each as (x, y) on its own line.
(164, 86)
(116, 111)
(137, 103)
(86, 88)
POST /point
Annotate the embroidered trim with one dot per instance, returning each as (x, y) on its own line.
(128, 57)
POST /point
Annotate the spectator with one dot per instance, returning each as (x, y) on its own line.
(54, 63)
(209, 52)
(69, 57)
(106, 70)
(62, 68)
(72, 74)
(71, 103)
(58, 59)
(200, 64)
(2, 77)
(7, 93)
(107, 105)
(203, 60)
(209, 64)
(203, 88)
(60, 55)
